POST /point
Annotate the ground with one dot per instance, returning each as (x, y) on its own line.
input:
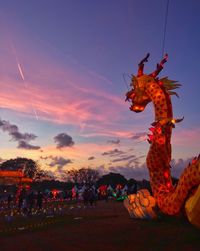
(104, 227)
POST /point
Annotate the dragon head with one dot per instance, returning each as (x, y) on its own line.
(138, 94)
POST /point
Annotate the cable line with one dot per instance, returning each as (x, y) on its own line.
(165, 28)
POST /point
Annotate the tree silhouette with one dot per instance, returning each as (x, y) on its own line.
(112, 179)
(86, 176)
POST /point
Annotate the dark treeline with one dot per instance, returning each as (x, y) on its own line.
(83, 176)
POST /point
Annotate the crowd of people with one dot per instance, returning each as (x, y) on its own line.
(24, 201)
(27, 201)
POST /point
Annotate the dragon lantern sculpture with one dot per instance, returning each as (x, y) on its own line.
(168, 198)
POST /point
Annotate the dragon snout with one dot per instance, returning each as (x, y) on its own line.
(137, 108)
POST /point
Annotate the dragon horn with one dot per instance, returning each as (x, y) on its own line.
(141, 65)
(179, 120)
(159, 66)
(174, 121)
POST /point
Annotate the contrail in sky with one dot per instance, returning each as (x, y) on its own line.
(20, 71)
(22, 76)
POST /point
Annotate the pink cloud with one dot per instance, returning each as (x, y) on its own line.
(57, 95)
(106, 132)
(66, 93)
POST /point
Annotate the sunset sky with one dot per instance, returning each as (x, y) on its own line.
(62, 88)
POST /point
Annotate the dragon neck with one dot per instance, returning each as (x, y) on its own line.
(159, 155)
(161, 101)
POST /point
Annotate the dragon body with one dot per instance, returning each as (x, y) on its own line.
(149, 88)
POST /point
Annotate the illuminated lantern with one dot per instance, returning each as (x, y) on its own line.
(141, 205)
(103, 190)
(170, 200)
(119, 186)
(54, 193)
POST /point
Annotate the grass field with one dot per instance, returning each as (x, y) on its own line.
(104, 227)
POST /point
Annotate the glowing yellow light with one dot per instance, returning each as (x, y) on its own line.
(173, 121)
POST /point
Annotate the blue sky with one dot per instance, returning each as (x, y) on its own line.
(72, 56)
